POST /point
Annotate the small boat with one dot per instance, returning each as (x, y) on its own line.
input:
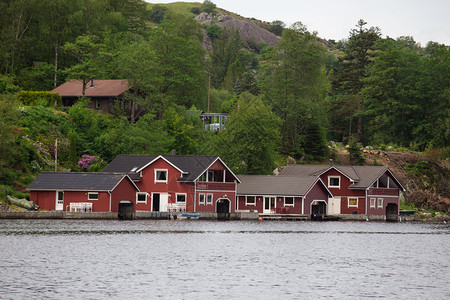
(188, 216)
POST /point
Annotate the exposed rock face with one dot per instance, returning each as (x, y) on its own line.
(248, 30)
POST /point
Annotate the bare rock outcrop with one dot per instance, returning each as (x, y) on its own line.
(249, 31)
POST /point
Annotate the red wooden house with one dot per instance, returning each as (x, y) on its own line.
(96, 192)
(179, 183)
(370, 190)
(283, 194)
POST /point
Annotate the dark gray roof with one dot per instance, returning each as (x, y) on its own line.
(363, 176)
(274, 185)
(48, 181)
(129, 164)
(192, 166)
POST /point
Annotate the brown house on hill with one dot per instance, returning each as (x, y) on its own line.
(103, 93)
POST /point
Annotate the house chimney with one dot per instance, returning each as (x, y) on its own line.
(173, 151)
(331, 162)
(92, 83)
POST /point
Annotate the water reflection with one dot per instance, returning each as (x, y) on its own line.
(95, 259)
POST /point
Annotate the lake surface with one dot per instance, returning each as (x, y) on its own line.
(148, 259)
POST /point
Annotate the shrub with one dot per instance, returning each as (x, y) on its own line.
(196, 10)
(46, 99)
(208, 7)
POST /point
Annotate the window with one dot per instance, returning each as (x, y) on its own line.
(141, 197)
(98, 103)
(352, 202)
(92, 196)
(202, 177)
(210, 176)
(181, 198)
(209, 199)
(380, 203)
(334, 181)
(288, 201)
(372, 202)
(207, 176)
(250, 200)
(161, 176)
(201, 198)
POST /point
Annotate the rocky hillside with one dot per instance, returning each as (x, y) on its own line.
(249, 31)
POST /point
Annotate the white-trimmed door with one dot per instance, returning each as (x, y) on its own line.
(59, 200)
(269, 205)
(334, 206)
(162, 199)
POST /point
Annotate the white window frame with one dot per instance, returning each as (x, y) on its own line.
(248, 203)
(181, 194)
(209, 202)
(373, 202)
(293, 201)
(156, 175)
(92, 194)
(210, 176)
(200, 198)
(334, 186)
(348, 200)
(380, 203)
(137, 197)
(98, 103)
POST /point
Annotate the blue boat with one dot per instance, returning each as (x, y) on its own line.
(185, 216)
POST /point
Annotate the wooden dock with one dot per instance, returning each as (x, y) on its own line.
(285, 217)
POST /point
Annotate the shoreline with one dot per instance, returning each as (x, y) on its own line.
(140, 215)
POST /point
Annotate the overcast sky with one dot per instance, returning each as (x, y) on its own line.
(424, 20)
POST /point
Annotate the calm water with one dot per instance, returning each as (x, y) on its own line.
(82, 259)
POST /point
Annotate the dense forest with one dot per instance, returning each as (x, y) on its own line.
(290, 99)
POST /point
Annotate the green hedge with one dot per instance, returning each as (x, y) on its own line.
(46, 99)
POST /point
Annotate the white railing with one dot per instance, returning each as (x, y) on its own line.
(175, 207)
(81, 207)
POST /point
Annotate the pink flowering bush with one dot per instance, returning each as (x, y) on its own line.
(86, 161)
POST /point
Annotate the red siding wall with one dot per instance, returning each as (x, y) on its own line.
(258, 207)
(148, 184)
(172, 187)
(344, 192)
(45, 199)
(125, 191)
(318, 192)
(279, 209)
(388, 196)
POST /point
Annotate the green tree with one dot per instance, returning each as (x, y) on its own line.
(277, 27)
(87, 54)
(8, 133)
(234, 73)
(137, 62)
(178, 51)
(391, 97)
(213, 31)
(250, 139)
(184, 131)
(347, 76)
(158, 13)
(208, 7)
(15, 20)
(225, 52)
(296, 85)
